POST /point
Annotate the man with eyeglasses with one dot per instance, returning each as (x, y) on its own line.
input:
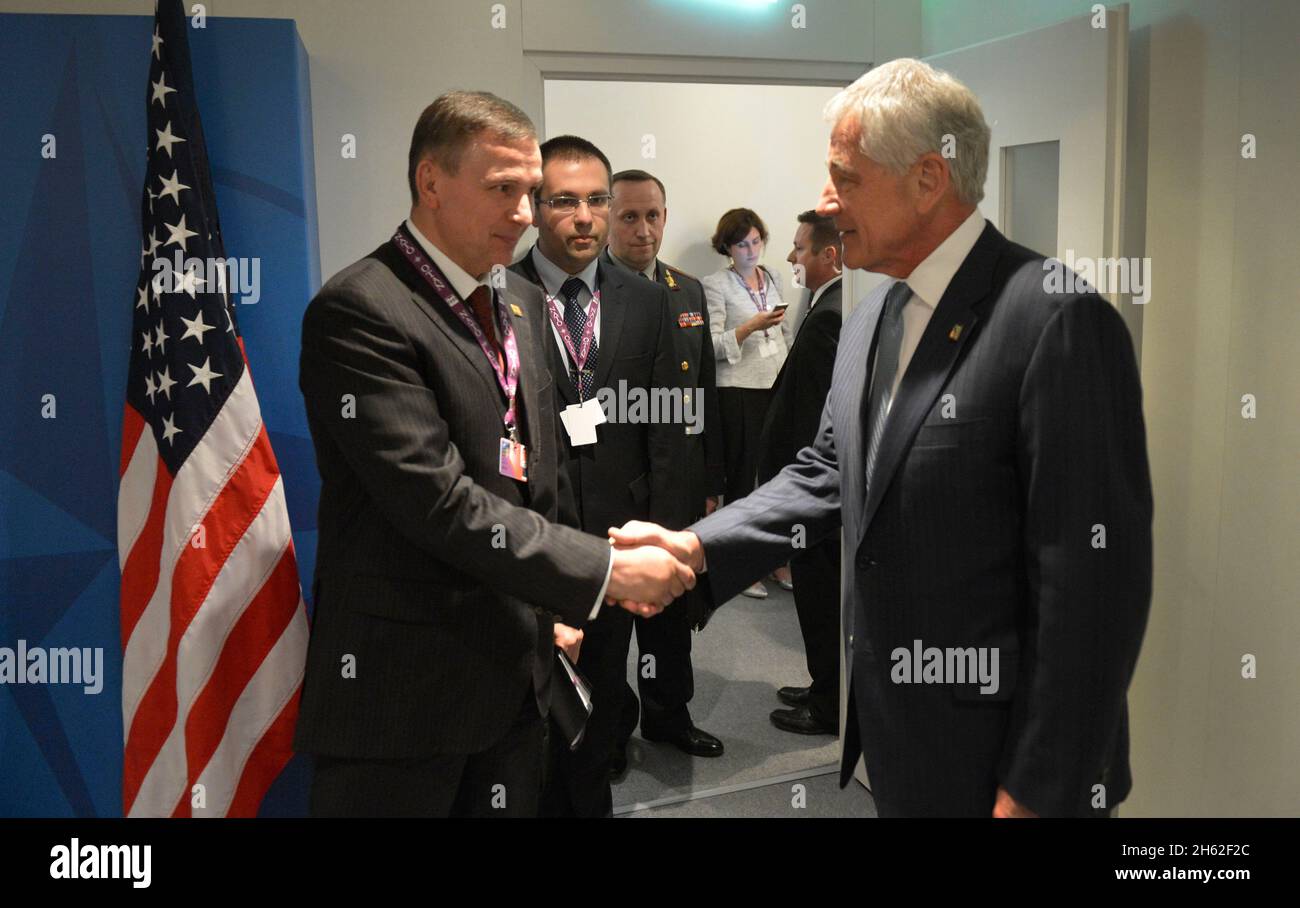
(612, 347)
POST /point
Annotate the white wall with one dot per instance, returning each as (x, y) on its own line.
(376, 64)
(1223, 321)
(715, 147)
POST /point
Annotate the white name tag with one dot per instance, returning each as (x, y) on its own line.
(767, 347)
(580, 421)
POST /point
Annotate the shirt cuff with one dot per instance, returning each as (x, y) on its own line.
(731, 346)
(600, 598)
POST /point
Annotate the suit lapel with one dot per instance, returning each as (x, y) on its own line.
(612, 311)
(932, 363)
(555, 362)
(427, 301)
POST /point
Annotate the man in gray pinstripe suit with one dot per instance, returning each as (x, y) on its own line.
(983, 450)
(441, 572)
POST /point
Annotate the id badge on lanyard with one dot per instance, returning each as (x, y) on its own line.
(580, 419)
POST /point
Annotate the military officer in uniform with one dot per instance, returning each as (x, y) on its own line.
(637, 216)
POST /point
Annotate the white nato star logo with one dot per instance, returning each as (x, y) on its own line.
(160, 90)
(157, 45)
(203, 375)
(172, 187)
(165, 382)
(169, 429)
(150, 389)
(190, 282)
(147, 345)
(160, 338)
(196, 327)
(166, 140)
(179, 234)
(142, 301)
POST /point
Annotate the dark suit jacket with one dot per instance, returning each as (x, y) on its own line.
(801, 386)
(438, 575)
(1009, 441)
(633, 471)
(694, 344)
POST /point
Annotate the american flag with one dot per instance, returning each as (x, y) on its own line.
(214, 628)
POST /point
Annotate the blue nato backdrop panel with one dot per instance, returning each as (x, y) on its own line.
(69, 258)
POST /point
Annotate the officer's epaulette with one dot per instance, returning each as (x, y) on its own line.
(670, 273)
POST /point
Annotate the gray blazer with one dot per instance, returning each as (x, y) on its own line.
(1016, 430)
(740, 365)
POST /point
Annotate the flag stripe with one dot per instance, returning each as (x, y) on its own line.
(194, 488)
(135, 498)
(196, 569)
(276, 683)
(132, 428)
(250, 642)
(238, 587)
(271, 754)
(140, 570)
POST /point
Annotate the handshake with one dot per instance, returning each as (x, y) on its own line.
(652, 566)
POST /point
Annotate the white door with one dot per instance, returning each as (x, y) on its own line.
(1055, 101)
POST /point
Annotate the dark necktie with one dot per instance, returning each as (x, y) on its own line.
(480, 301)
(575, 319)
(889, 341)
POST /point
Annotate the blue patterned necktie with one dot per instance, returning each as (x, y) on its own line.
(575, 319)
(888, 344)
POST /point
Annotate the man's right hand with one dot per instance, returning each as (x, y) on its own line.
(645, 579)
(684, 544)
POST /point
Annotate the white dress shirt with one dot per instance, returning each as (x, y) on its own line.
(464, 285)
(461, 281)
(928, 283)
(822, 289)
(553, 278)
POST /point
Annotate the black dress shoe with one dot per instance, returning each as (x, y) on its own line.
(801, 721)
(689, 740)
(794, 696)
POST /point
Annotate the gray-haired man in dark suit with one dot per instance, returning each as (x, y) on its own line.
(983, 450)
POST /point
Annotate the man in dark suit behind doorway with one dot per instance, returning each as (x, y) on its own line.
(798, 395)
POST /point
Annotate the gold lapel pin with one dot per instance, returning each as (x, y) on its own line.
(955, 332)
(516, 310)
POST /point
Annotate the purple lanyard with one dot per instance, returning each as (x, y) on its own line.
(579, 356)
(507, 378)
(760, 298)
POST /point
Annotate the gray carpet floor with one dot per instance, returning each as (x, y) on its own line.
(749, 649)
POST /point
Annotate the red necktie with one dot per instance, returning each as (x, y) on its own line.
(481, 302)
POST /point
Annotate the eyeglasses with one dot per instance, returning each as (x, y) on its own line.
(568, 204)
